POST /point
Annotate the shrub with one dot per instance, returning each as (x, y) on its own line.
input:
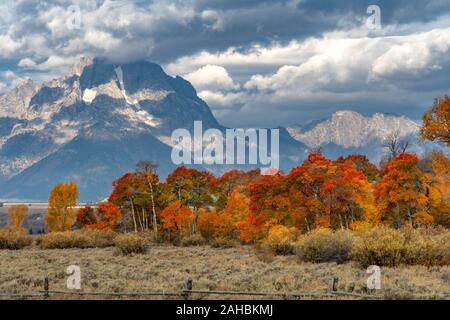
(130, 243)
(14, 240)
(223, 243)
(382, 246)
(425, 246)
(193, 240)
(324, 245)
(78, 239)
(280, 240)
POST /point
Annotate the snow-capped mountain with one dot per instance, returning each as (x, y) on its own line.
(92, 125)
(98, 120)
(350, 129)
(348, 132)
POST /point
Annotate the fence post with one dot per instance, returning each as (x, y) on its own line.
(187, 286)
(334, 284)
(46, 286)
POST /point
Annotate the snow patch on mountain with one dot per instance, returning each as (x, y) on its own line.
(89, 95)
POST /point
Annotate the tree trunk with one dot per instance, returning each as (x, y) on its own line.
(194, 225)
(144, 219)
(340, 221)
(398, 215)
(307, 225)
(154, 222)
(133, 215)
(409, 216)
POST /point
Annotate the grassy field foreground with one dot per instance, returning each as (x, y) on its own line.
(240, 269)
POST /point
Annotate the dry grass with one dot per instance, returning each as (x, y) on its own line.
(163, 268)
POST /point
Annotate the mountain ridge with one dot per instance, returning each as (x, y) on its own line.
(96, 121)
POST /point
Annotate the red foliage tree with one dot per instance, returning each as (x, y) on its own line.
(85, 217)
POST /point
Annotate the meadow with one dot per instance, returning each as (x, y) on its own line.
(162, 267)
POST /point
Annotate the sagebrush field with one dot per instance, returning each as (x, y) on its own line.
(238, 269)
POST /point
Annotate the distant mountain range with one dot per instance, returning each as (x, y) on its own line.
(94, 123)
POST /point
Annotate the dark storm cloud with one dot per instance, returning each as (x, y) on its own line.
(284, 61)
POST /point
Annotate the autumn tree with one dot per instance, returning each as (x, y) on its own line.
(361, 163)
(233, 180)
(238, 206)
(436, 121)
(252, 228)
(192, 188)
(306, 199)
(400, 193)
(146, 169)
(108, 217)
(177, 219)
(124, 195)
(348, 196)
(85, 217)
(61, 203)
(436, 168)
(207, 222)
(16, 216)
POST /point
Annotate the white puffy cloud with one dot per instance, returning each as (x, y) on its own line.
(416, 53)
(26, 63)
(211, 77)
(223, 100)
(8, 46)
(351, 65)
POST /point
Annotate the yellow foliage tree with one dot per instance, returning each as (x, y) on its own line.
(16, 216)
(61, 204)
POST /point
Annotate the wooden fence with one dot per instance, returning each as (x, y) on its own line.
(187, 292)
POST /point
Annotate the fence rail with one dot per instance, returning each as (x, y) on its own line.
(187, 292)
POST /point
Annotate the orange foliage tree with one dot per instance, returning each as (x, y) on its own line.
(108, 217)
(233, 180)
(436, 121)
(400, 193)
(177, 219)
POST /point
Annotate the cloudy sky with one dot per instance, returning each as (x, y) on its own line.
(256, 63)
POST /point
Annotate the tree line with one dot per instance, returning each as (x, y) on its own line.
(346, 193)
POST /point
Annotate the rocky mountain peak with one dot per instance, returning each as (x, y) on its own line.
(351, 129)
(78, 67)
(15, 103)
